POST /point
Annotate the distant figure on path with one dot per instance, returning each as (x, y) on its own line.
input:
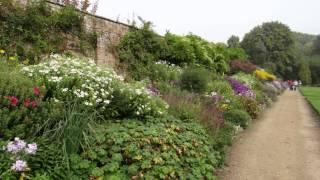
(295, 85)
(290, 83)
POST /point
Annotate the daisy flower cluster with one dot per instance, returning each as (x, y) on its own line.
(73, 78)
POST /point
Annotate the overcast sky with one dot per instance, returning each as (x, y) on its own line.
(215, 20)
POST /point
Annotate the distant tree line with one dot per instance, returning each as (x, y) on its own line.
(290, 55)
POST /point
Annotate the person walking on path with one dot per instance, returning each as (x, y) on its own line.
(295, 85)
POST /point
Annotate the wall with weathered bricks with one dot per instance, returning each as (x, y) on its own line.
(109, 34)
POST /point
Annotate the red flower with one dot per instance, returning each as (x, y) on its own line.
(26, 102)
(34, 104)
(36, 91)
(13, 100)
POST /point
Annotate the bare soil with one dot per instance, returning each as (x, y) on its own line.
(284, 144)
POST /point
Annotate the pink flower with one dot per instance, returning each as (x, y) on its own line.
(19, 166)
(13, 100)
(34, 104)
(31, 148)
(16, 146)
(36, 90)
(26, 102)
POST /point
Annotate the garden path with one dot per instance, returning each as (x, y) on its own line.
(284, 144)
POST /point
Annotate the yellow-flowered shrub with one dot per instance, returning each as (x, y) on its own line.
(264, 75)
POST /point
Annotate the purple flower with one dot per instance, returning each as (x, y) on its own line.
(19, 166)
(240, 88)
(16, 145)
(31, 148)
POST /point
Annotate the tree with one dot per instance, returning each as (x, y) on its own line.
(233, 42)
(316, 45)
(305, 73)
(271, 43)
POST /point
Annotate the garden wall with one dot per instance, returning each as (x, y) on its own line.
(109, 33)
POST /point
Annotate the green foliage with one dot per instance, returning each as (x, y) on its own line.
(316, 45)
(68, 19)
(221, 87)
(139, 49)
(233, 42)
(180, 50)
(161, 71)
(195, 79)
(271, 43)
(314, 63)
(156, 149)
(305, 73)
(248, 79)
(236, 53)
(183, 105)
(15, 117)
(237, 117)
(36, 30)
(303, 44)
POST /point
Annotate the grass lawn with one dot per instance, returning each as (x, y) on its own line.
(313, 96)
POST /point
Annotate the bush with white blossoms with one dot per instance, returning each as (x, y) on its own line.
(19, 150)
(100, 88)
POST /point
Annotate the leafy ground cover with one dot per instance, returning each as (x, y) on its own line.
(171, 117)
(313, 96)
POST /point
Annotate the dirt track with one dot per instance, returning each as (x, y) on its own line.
(284, 144)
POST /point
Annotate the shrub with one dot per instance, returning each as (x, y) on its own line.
(249, 80)
(221, 87)
(68, 19)
(163, 71)
(241, 65)
(237, 117)
(251, 106)
(180, 50)
(20, 101)
(271, 91)
(195, 79)
(69, 79)
(139, 49)
(156, 149)
(183, 105)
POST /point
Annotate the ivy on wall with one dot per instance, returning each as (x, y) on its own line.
(35, 30)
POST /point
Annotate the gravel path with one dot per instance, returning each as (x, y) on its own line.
(284, 144)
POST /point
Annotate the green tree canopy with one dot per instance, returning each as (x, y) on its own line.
(305, 73)
(271, 46)
(233, 42)
(316, 45)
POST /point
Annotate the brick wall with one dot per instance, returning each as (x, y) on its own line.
(109, 34)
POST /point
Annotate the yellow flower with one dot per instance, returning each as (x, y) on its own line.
(12, 58)
(25, 62)
(264, 75)
(2, 51)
